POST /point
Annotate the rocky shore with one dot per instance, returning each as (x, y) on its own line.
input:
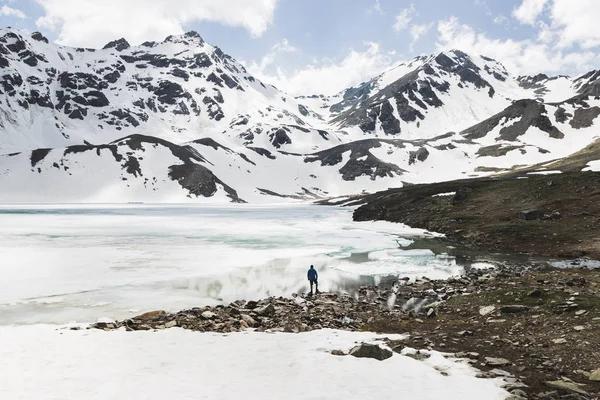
(536, 326)
(556, 215)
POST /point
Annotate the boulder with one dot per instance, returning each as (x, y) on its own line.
(431, 313)
(151, 315)
(569, 386)
(496, 362)
(367, 350)
(487, 310)
(266, 311)
(171, 324)
(531, 215)
(251, 305)
(595, 376)
(513, 309)
(208, 315)
(248, 319)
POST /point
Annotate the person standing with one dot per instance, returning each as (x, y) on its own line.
(313, 279)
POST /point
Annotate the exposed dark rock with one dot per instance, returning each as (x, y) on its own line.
(42, 100)
(584, 117)
(280, 138)
(112, 77)
(367, 350)
(389, 123)
(119, 45)
(421, 155)
(179, 73)
(214, 110)
(203, 60)
(362, 161)
(496, 150)
(215, 79)
(562, 115)
(531, 215)
(461, 195)
(527, 112)
(513, 309)
(39, 37)
(81, 80)
(303, 110)
(38, 155)
(263, 152)
(169, 92)
(96, 98)
(132, 166)
(199, 180)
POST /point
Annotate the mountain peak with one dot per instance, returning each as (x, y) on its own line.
(191, 37)
(119, 45)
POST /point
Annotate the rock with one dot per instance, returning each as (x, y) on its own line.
(466, 333)
(367, 350)
(398, 348)
(595, 376)
(513, 309)
(471, 355)
(431, 313)
(579, 328)
(267, 310)
(248, 320)
(496, 362)
(418, 355)
(208, 315)
(171, 324)
(569, 386)
(487, 310)
(251, 305)
(337, 353)
(151, 315)
(531, 215)
(535, 293)
(580, 312)
(559, 341)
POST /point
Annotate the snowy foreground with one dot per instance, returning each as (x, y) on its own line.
(43, 362)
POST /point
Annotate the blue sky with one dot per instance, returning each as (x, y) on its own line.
(306, 46)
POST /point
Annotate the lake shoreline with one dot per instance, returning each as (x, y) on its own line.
(546, 215)
(537, 323)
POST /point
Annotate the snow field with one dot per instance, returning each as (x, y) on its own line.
(43, 362)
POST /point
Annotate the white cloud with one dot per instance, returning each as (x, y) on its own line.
(518, 56)
(376, 8)
(93, 23)
(501, 20)
(404, 18)
(259, 68)
(529, 10)
(329, 76)
(576, 22)
(7, 11)
(416, 31)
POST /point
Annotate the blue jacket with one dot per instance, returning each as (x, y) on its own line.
(312, 274)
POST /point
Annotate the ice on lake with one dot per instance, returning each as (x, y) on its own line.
(61, 264)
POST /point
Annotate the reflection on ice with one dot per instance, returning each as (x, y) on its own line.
(74, 264)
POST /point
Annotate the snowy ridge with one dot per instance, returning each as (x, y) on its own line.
(180, 120)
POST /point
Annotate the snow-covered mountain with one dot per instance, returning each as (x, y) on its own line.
(180, 120)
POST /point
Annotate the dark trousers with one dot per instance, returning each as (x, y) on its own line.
(316, 286)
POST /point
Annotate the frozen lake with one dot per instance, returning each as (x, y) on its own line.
(61, 264)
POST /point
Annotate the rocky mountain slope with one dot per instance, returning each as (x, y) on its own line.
(180, 120)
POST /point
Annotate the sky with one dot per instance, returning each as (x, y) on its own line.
(324, 46)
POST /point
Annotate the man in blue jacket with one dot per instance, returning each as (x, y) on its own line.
(312, 278)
